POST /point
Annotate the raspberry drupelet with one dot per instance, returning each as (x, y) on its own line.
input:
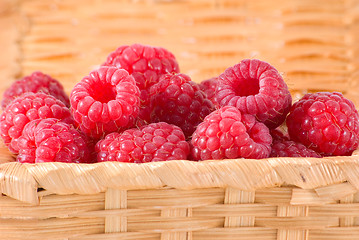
(209, 87)
(287, 148)
(150, 143)
(29, 106)
(36, 82)
(177, 100)
(279, 134)
(255, 87)
(49, 140)
(105, 101)
(227, 133)
(325, 122)
(146, 64)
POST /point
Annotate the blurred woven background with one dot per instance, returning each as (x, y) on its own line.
(313, 43)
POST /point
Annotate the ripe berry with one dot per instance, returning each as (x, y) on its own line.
(325, 122)
(226, 133)
(105, 101)
(28, 107)
(209, 88)
(146, 64)
(256, 88)
(177, 100)
(49, 140)
(150, 143)
(278, 134)
(36, 82)
(287, 148)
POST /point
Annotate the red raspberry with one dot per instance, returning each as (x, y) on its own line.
(28, 107)
(150, 143)
(105, 101)
(36, 82)
(177, 100)
(49, 140)
(278, 134)
(256, 88)
(226, 133)
(209, 88)
(146, 64)
(287, 148)
(326, 122)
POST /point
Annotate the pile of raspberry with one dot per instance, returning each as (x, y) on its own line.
(138, 107)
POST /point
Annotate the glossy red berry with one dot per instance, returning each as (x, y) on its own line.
(177, 100)
(36, 82)
(325, 122)
(105, 101)
(255, 87)
(287, 148)
(28, 107)
(50, 140)
(209, 88)
(150, 143)
(227, 133)
(146, 64)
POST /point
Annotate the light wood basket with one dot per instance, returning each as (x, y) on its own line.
(313, 43)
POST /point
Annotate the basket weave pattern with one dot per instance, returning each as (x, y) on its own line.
(312, 42)
(182, 200)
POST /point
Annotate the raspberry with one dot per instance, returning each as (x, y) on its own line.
(28, 107)
(209, 87)
(146, 64)
(326, 122)
(255, 87)
(226, 133)
(150, 143)
(36, 82)
(49, 140)
(278, 134)
(177, 100)
(105, 101)
(287, 148)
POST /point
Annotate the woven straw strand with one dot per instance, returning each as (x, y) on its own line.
(149, 218)
(115, 199)
(63, 178)
(71, 178)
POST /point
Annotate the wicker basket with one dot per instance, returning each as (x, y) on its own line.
(314, 44)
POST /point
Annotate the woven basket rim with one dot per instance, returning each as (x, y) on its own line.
(22, 180)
